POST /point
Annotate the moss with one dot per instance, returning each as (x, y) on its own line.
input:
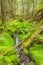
(25, 51)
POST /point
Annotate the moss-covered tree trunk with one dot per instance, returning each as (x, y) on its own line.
(31, 39)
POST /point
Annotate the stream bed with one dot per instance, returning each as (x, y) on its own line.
(25, 59)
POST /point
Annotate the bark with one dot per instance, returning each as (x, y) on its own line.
(38, 15)
(6, 10)
(12, 5)
(26, 10)
(33, 8)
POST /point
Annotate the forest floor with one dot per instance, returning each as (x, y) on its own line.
(29, 51)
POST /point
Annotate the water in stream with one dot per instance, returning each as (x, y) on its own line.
(27, 60)
(23, 63)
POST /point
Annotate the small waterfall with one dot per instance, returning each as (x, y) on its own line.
(23, 63)
(16, 42)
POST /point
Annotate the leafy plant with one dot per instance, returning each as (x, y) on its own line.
(6, 40)
(37, 53)
(8, 56)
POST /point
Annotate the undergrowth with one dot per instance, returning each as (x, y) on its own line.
(23, 30)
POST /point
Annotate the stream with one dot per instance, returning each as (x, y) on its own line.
(27, 59)
(16, 42)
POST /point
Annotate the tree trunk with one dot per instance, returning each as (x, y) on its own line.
(31, 39)
(6, 10)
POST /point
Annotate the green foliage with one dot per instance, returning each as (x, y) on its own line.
(41, 21)
(3, 50)
(0, 22)
(11, 59)
(8, 56)
(25, 51)
(6, 40)
(17, 27)
(23, 29)
(40, 37)
(31, 63)
(37, 53)
(20, 19)
(1, 26)
(11, 52)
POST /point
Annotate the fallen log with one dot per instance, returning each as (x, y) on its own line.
(18, 44)
(38, 15)
(31, 39)
(21, 42)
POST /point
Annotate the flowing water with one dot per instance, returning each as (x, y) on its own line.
(23, 63)
(16, 42)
